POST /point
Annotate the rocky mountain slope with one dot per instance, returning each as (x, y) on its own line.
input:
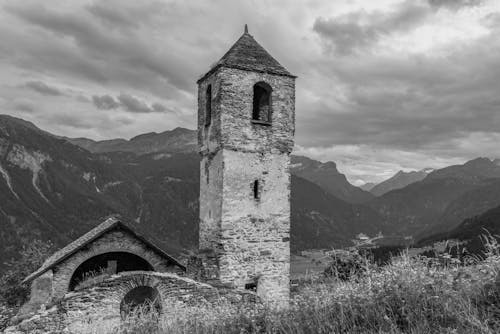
(182, 140)
(329, 178)
(368, 186)
(320, 220)
(471, 232)
(399, 180)
(53, 190)
(470, 204)
(176, 140)
(441, 198)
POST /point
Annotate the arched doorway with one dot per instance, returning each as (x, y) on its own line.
(107, 264)
(140, 301)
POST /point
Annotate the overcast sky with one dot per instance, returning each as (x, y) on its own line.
(383, 85)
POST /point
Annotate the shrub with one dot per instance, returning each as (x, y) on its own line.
(345, 265)
(32, 255)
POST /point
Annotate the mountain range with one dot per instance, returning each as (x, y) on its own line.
(57, 188)
(399, 180)
(328, 177)
(176, 140)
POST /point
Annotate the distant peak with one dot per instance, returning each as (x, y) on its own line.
(143, 136)
(181, 130)
(15, 121)
(427, 170)
(330, 164)
(479, 161)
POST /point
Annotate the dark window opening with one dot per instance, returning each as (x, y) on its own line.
(256, 190)
(261, 103)
(104, 265)
(251, 286)
(208, 106)
(139, 301)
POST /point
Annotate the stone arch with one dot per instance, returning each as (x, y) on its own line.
(132, 281)
(116, 241)
(141, 299)
(262, 102)
(108, 263)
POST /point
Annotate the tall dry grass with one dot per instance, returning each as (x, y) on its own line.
(410, 295)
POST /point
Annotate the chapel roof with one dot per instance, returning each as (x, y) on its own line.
(107, 225)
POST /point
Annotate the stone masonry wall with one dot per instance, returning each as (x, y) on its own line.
(250, 238)
(232, 104)
(211, 180)
(100, 304)
(236, 105)
(256, 233)
(41, 293)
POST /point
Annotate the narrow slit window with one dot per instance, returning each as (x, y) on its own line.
(256, 190)
(251, 286)
(208, 106)
(261, 111)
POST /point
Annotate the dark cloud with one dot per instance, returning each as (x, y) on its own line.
(492, 21)
(355, 31)
(410, 103)
(158, 107)
(454, 4)
(127, 102)
(101, 54)
(105, 102)
(133, 104)
(43, 88)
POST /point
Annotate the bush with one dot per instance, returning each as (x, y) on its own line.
(32, 255)
(346, 265)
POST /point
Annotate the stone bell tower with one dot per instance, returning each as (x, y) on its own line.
(246, 124)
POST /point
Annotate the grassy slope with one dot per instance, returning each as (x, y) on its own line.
(411, 295)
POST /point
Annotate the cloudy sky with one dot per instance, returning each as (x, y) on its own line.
(383, 85)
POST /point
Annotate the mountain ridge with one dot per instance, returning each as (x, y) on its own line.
(184, 140)
(399, 180)
(74, 188)
(421, 206)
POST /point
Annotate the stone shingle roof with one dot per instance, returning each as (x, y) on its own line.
(108, 225)
(246, 54)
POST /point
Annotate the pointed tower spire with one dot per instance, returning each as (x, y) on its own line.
(247, 54)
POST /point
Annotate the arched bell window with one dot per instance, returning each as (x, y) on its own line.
(262, 111)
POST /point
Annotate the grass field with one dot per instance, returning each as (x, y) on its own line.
(412, 294)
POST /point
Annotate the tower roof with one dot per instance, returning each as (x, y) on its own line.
(246, 54)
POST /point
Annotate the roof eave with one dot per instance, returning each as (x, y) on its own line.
(243, 68)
